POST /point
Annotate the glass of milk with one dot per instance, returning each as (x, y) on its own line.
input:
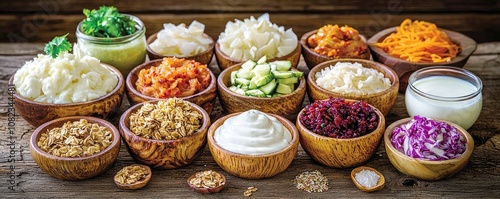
(443, 92)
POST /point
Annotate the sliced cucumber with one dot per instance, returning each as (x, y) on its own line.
(283, 75)
(249, 65)
(240, 91)
(262, 60)
(233, 77)
(262, 69)
(245, 73)
(291, 80)
(255, 93)
(262, 80)
(233, 88)
(284, 88)
(269, 87)
(242, 81)
(282, 65)
(297, 73)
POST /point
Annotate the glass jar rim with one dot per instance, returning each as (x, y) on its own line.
(141, 29)
(446, 71)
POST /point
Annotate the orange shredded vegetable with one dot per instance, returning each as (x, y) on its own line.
(173, 78)
(420, 41)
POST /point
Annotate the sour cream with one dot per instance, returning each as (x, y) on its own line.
(253, 133)
(453, 97)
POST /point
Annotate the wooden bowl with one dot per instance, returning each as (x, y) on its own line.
(254, 166)
(208, 190)
(341, 153)
(427, 169)
(224, 61)
(205, 98)
(204, 57)
(405, 68)
(37, 113)
(312, 58)
(164, 154)
(380, 184)
(138, 184)
(286, 105)
(383, 100)
(77, 168)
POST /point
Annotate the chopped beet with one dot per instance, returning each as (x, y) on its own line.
(338, 118)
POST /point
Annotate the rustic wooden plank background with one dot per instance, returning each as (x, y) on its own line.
(41, 20)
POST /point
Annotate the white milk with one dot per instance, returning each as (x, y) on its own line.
(463, 112)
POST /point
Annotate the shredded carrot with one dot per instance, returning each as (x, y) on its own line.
(420, 41)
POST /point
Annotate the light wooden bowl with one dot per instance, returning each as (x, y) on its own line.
(427, 169)
(380, 184)
(383, 100)
(341, 153)
(204, 57)
(138, 184)
(77, 168)
(312, 58)
(207, 190)
(224, 61)
(205, 98)
(164, 154)
(37, 113)
(286, 105)
(254, 166)
(405, 68)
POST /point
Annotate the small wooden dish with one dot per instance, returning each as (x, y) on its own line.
(207, 190)
(380, 184)
(138, 184)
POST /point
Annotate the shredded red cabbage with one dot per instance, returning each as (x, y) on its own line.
(428, 139)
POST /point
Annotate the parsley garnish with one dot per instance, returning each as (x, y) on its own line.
(107, 22)
(57, 45)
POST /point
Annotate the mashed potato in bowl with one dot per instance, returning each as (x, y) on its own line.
(65, 79)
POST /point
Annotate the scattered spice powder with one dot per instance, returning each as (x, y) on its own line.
(207, 179)
(131, 174)
(311, 181)
(249, 191)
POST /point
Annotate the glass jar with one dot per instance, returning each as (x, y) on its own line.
(124, 53)
(443, 92)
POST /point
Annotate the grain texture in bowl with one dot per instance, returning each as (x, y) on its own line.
(74, 168)
(204, 57)
(37, 113)
(427, 169)
(383, 100)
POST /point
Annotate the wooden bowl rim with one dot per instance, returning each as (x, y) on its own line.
(305, 46)
(293, 131)
(224, 88)
(153, 37)
(60, 121)
(140, 184)
(393, 76)
(381, 125)
(124, 127)
(226, 57)
(132, 88)
(467, 45)
(380, 183)
(115, 90)
(465, 155)
(207, 190)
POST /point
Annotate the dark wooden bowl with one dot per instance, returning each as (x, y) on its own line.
(164, 154)
(427, 169)
(383, 100)
(77, 168)
(254, 166)
(205, 98)
(286, 105)
(37, 113)
(204, 57)
(224, 61)
(341, 153)
(312, 58)
(405, 68)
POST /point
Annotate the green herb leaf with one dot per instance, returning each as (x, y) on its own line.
(107, 22)
(57, 45)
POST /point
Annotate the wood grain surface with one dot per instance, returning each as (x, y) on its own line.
(479, 179)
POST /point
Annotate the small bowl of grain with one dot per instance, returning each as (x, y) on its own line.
(76, 147)
(165, 134)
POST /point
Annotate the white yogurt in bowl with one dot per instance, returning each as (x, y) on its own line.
(448, 93)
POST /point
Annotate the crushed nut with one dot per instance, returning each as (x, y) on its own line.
(167, 120)
(131, 174)
(207, 179)
(76, 139)
(313, 181)
(249, 191)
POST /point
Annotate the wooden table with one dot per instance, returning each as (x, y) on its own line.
(479, 179)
